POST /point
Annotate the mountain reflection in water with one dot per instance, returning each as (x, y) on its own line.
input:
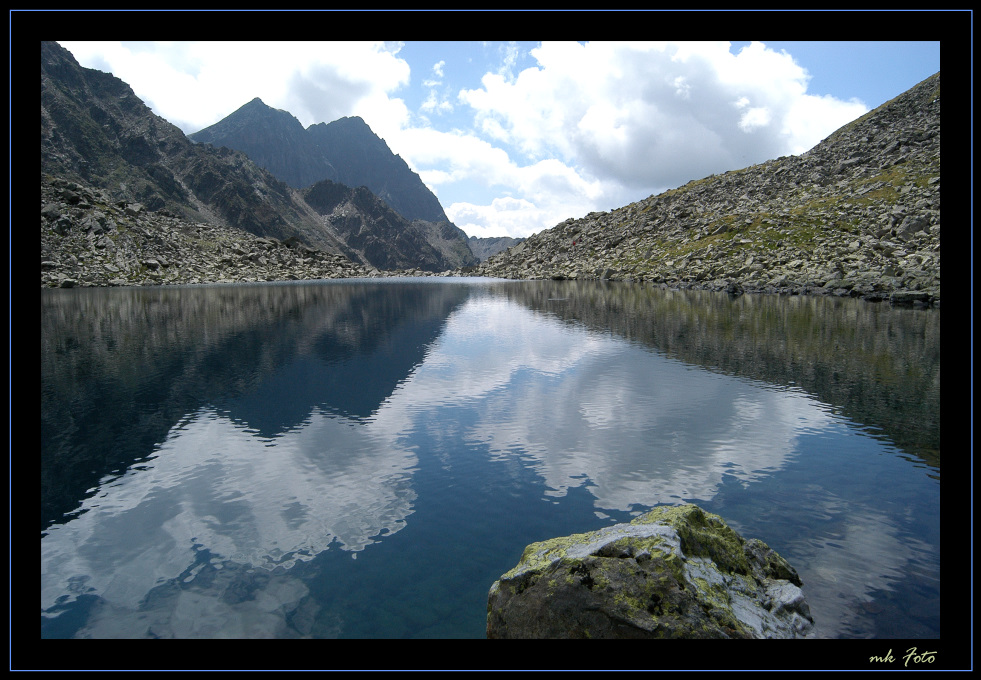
(210, 455)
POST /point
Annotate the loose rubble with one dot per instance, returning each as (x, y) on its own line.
(89, 240)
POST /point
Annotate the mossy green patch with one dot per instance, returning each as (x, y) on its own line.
(702, 534)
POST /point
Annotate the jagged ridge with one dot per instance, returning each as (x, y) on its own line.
(96, 133)
(344, 151)
(373, 232)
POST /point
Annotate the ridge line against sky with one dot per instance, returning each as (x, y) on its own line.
(516, 137)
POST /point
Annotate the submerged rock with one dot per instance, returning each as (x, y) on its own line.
(675, 572)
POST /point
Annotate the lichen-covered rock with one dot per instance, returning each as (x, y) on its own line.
(675, 572)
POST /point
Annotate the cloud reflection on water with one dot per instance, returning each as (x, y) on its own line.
(640, 429)
(575, 407)
(247, 500)
(643, 428)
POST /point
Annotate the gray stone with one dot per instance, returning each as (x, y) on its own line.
(676, 572)
(51, 211)
(911, 225)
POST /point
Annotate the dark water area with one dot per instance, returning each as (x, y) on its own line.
(362, 459)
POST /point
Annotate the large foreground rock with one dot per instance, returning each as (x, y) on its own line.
(676, 572)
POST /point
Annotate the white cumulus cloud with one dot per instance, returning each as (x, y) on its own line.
(196, 84)
(656, 114)
(631, 119)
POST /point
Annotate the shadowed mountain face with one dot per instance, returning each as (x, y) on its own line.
(273, 139)
(345, 151)
(390, 221)
(374, 233)
(362, 158)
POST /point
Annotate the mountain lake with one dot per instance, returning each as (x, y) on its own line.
(364, 458)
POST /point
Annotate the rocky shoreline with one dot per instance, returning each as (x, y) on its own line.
(87, 239)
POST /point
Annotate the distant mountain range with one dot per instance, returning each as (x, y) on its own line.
(485, 247)
(97, 132)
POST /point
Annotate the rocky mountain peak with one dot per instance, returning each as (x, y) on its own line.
(97, 132)
(345, 151)
(274, 139)
(255, 112)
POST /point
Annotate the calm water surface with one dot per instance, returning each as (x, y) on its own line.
(362, 459)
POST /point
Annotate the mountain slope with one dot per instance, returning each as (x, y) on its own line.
(90, 239)
(346, 153)
(484, 247)
(96, 131)
(373, 232)
(363, 158)
(857, 215)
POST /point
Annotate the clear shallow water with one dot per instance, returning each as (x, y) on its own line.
(362, 459)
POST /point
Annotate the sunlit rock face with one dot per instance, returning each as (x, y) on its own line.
(676, 572)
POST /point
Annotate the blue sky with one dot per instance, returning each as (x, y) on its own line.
(515, 137)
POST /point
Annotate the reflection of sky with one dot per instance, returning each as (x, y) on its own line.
(246, 499)
(643, 428)
(640, 429)
(863, 553)
(574, 406)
